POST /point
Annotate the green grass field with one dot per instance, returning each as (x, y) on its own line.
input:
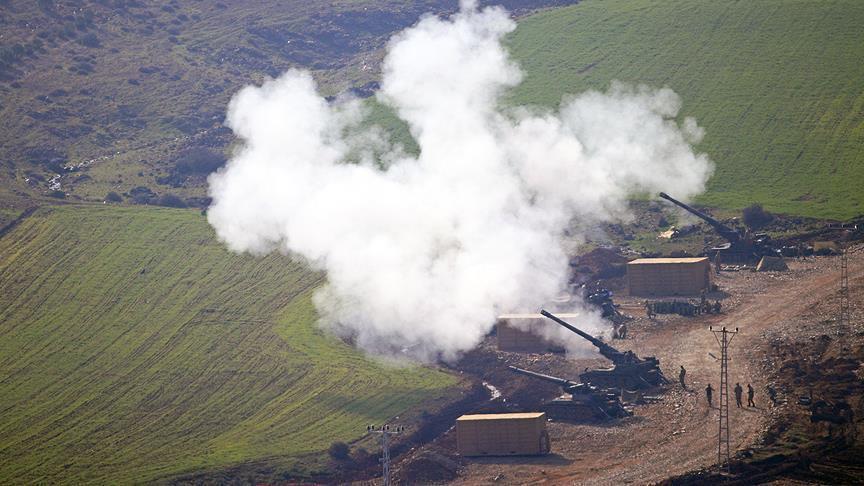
(777, 85)
(134, 347)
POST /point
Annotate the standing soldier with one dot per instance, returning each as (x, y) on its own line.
(709, 393)
(738, 392)
(772, 394)
(681, 375)
(750, 393)
(622, 331)
(717, 263)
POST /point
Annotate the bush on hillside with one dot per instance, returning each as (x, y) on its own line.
(142, 195)
(171, 201)
(339, 451)
(113, 197)
(755, 217)
(199, 160)
(90, 40)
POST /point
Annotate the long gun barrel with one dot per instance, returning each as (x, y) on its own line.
(726, 232)
(566, 384)
(608, 351)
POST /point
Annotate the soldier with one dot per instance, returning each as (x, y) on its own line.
(716, 306)
(709, 393)
(681, 375)
(622, 331)
(750, 393)
(717, 263)
(772, 394)
(738, 392)
(649, 310)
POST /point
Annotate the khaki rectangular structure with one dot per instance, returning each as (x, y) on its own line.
(522, 333)
(668, 276)
(502, 434)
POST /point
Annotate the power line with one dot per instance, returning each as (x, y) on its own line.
(386, 431)
(724, 337)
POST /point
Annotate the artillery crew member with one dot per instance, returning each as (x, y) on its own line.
(649, 310)
(622, 331)
(681, 375)
(738, 392)
(750, 393)
(772, 394)
(709, 393)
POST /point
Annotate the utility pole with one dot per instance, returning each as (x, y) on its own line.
(844, 289)
(843, 317)
(386, 431)
(724, 337)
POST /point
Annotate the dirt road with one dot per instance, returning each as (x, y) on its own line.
(679, 433)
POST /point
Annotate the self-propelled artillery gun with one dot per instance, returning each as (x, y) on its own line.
(741, 246)
(580, 402)
(628, 371)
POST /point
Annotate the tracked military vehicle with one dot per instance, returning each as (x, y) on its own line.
(581, 402)
(741, 246)
(628, 371)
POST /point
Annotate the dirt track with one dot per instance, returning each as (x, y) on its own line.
(679, 433)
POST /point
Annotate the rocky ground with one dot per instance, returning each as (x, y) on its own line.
(789, 338)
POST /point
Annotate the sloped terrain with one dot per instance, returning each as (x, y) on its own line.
(776, 85)
(134, 347)
(126, 86)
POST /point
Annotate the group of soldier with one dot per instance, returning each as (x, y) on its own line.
(738, 390)
(685, 308)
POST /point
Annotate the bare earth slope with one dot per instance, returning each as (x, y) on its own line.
(679, 433)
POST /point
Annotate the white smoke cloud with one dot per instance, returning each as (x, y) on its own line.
(422, 252)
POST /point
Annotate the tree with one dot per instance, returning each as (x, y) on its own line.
(113, 197)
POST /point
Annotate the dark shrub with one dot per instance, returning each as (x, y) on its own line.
(339, 451)
(755, 217)
(199, 160)
(89, 40)
(142, 195)
(57, 194)
(171, 201)
(113, 197)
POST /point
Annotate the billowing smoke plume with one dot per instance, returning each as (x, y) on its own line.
(422, 252)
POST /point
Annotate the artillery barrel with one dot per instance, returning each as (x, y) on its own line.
(606, 350)
(725, 231)
(558, 381)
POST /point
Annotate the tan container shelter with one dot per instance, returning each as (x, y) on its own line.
(522, 333)
(502, 434)
(668, 276)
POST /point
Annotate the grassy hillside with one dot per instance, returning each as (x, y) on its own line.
(777, 85)
(125, 87)
(134, 347)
